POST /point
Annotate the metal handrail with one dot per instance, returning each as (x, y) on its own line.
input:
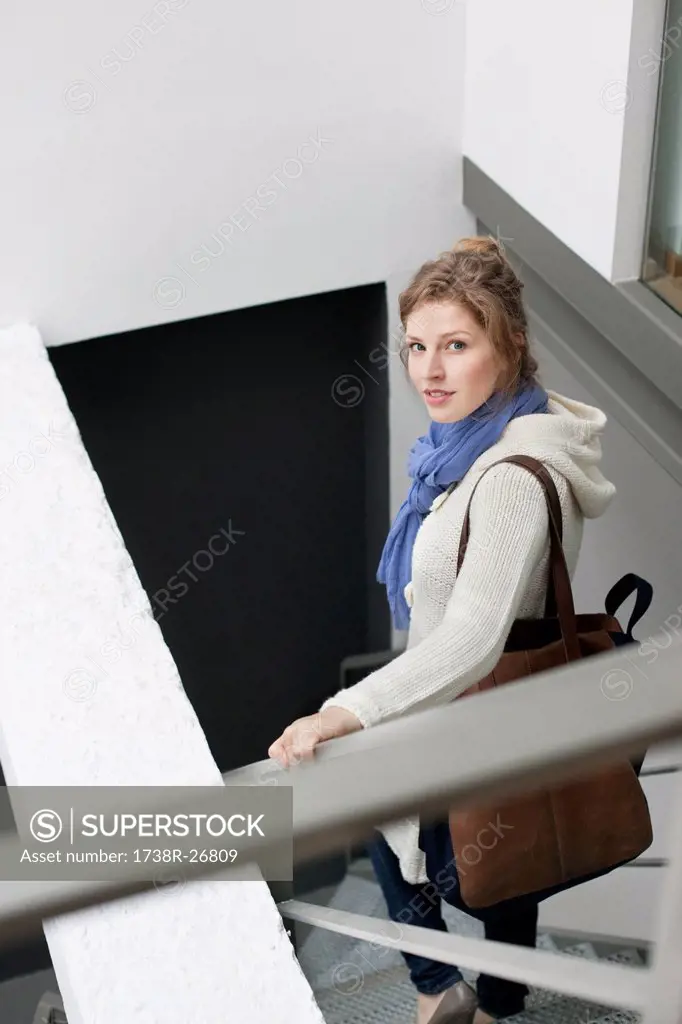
(606, 983)
(553, 725)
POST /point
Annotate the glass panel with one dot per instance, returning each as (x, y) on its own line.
(662, 269)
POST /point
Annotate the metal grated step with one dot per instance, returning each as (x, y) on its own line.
(359, 982)
(390, 996)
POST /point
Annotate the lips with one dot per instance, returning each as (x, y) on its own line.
(437, 397)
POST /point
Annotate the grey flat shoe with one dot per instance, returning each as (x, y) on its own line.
(458, 1006)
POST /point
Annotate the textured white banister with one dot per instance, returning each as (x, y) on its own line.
(196, 954)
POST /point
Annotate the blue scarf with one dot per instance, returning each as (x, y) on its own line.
(439, 458)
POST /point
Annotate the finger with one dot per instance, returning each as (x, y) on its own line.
(274, 748)
(287, 744)
(278, 752)
(303, 748)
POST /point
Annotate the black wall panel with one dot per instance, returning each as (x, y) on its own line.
(265, 429)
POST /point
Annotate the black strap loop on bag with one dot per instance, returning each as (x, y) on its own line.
(621, 591)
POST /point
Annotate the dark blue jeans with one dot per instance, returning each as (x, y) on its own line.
(514, 921)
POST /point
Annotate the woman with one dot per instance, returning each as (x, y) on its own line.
(466, 350)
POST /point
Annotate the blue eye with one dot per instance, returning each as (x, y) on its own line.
(413, 345)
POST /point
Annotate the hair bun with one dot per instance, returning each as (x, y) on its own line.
(486, 245)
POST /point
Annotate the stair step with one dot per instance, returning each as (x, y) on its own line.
(360, 982)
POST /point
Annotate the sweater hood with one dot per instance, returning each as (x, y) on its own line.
(568, 438)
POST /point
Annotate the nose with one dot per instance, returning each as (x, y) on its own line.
(433, 365)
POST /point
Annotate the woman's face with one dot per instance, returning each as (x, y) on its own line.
(451, 360)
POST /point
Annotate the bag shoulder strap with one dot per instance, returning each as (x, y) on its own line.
(537, 468)
(559, 600)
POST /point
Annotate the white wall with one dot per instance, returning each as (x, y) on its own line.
(640, 531)
(136, 130)
(559, 112)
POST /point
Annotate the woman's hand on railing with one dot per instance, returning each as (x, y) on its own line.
(298, 741)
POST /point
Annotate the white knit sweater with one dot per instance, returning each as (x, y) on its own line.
(458, 629)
